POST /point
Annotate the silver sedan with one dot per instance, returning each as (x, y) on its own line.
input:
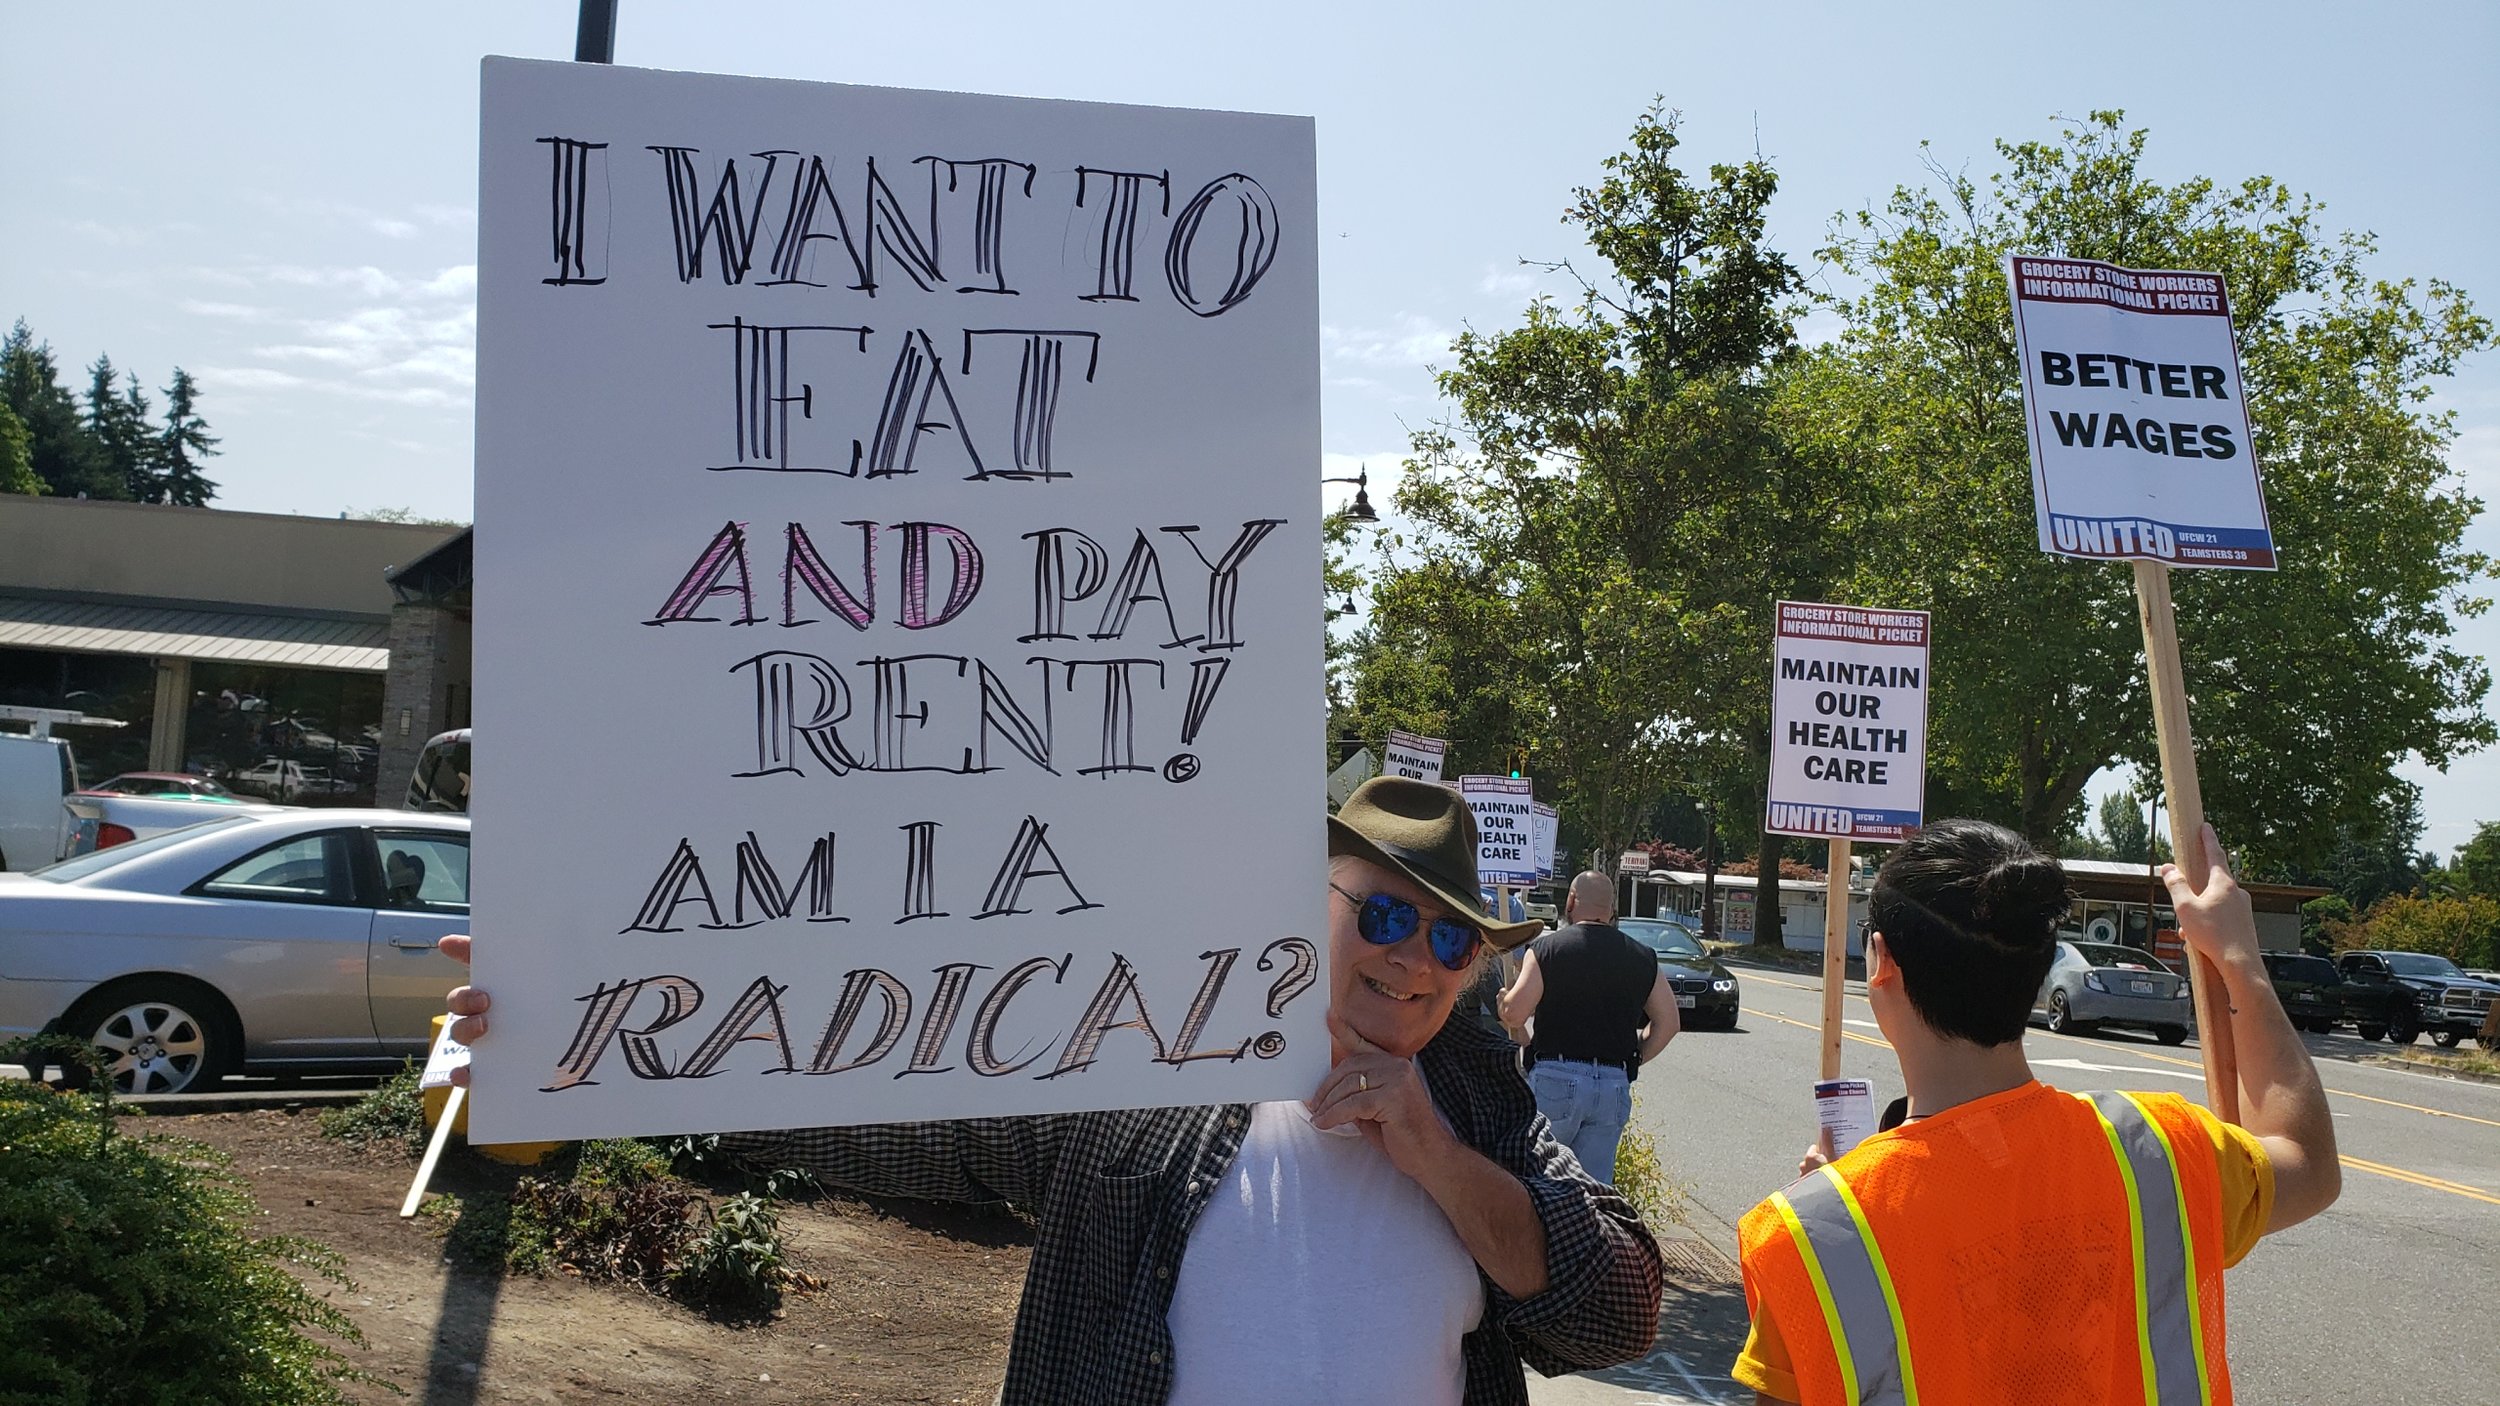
(278, 941)
(2092, 984)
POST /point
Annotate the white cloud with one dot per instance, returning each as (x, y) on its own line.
(231, 312)
(247, 378)
(1412, 340)
(1514, 281)
(2475, 456)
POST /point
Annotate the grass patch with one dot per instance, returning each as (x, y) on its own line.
(393, 1112)
(2463, 1061)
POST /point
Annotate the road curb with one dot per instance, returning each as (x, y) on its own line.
(291, 1100)
(2431, 1066)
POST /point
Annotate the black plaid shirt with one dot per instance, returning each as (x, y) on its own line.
(1114, 1196)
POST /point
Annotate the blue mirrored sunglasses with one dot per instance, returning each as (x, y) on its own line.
(1386, 920)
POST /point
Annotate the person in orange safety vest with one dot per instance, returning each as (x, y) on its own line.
(2011, 1242)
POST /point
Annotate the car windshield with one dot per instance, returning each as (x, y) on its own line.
(2103, 954)
(2289, 967)
(1673, 939)
(69, 870)
(2421, 964)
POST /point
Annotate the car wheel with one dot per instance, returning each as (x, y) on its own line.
(2371, 1032)
(2171, 1034)
(2445, 1039)
(159, 1037)
(2403, 1027)
(2062, 1021)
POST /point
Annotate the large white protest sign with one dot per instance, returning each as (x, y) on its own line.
(897, 552)
(1848, 722)
(1413, 757)
(2140, 443)
(1504, 808)
(1545, 821)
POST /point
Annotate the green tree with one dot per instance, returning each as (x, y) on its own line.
(1599, 530)
(2342, 659)
(59, 449)
(17, 468)
(2466, 930)
(184, 441)
(117, 423)
(2476, 868)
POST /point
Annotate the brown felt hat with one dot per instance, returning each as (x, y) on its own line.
(1426, 832)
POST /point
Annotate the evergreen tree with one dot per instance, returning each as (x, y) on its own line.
(117, 422)
(60, 449)
(17, 471)
(185, 441)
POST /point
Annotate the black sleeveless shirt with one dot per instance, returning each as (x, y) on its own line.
(1597, 984)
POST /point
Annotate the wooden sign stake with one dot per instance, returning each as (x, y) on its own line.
(1835, 949)
(433, 1151)
(2187, 824)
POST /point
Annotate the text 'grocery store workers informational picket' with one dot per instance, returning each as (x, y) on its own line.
(1415, 758)
(896, 643)
(1505, 811)
(1848, 722)
(2140, 442)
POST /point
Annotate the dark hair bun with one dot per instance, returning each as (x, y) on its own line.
(2023, 891)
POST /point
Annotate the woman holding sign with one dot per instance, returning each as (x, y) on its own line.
(1409, 1233)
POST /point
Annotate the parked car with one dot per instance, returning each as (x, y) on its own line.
(2310, 988)
(103, 819)
(288, 781)
(160, 783)
(2092, 984)
(2401, 994)
(441, 780)
(36, 775)
(268, 940)
(1704, 990)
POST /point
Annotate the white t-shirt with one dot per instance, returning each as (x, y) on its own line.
(1320, 1273)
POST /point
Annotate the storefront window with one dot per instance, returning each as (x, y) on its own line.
(307, 737)
(116, 687)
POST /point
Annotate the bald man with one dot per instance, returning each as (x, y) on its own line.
(1602, 1009)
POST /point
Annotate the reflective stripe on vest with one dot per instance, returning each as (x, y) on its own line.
(1861, 1312)
(2169, 1326)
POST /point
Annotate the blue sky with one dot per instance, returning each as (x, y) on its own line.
(281, 197)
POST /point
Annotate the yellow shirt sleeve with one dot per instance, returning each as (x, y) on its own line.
(1764, 1365)
(2247, 1176)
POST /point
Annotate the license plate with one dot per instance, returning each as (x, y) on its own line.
(2141, 988)
(1685, 1001)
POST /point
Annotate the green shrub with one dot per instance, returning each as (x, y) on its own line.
(2464, 930)
(129, 1274)
(736, 1264)
(393, 1112)
(635, 1232)
(1642, 1179)
(620, 1162)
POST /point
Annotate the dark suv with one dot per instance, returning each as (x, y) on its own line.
(2310, 988)
(2402, 994)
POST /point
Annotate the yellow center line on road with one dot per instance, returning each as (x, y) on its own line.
(2421, 1179)
(2106, 1048)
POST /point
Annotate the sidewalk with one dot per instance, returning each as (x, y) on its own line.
(1701, 1327)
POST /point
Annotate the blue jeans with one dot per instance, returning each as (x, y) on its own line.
(1588, 1106)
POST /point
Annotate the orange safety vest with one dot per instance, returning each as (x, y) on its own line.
(2034, 1246)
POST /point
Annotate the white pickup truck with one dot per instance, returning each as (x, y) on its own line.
(35, 774)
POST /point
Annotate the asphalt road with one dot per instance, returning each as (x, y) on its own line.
(2388, 1297)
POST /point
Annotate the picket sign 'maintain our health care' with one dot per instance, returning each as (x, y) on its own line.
(897, 556)
(1848, 722)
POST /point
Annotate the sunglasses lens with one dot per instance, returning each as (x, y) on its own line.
(1385, 920)
(1453, 943)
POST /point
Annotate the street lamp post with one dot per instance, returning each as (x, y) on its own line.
(1361, 510)
(2152, 869)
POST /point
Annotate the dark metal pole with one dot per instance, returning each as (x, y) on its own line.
(1709, 873)
(595, 40)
